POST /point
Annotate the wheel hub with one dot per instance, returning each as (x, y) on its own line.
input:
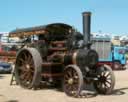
(102, 78)
(70, 81)
(27, 66)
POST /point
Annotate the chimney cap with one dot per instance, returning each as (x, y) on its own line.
(86, 13)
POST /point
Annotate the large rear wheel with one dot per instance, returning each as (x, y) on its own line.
(28, 68)
(106, 80)
(73, 80)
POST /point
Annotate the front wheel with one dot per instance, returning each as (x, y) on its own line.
(73, 80)
(106, 80)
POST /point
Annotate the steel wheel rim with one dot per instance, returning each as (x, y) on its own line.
(25, 68)
(71, 81)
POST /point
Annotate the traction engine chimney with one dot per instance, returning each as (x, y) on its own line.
(86, 27)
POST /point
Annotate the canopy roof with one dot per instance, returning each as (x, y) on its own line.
(45, 29)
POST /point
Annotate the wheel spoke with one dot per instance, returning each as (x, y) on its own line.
(25, 56)
(66, 77)
(68, 87)
(103, 73)
(29, 59)
(75, 86)
(72, 72)
(65, 81)
(102, 85)
(22, 68)
(31, 70)
(75, 74)
(23, 75)
(28, 77)
(108, 75)
(108, 82)
(76, 81)
(69, 74)
(106, 86)
(21, 60)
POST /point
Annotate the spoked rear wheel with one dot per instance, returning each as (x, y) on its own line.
(73, 80)
(28, 68)
(106, 80)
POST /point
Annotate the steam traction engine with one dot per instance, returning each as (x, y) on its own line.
(57, 53)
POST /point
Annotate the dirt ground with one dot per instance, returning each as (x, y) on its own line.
(15, 93)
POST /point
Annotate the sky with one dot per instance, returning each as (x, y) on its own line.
(108, 16)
